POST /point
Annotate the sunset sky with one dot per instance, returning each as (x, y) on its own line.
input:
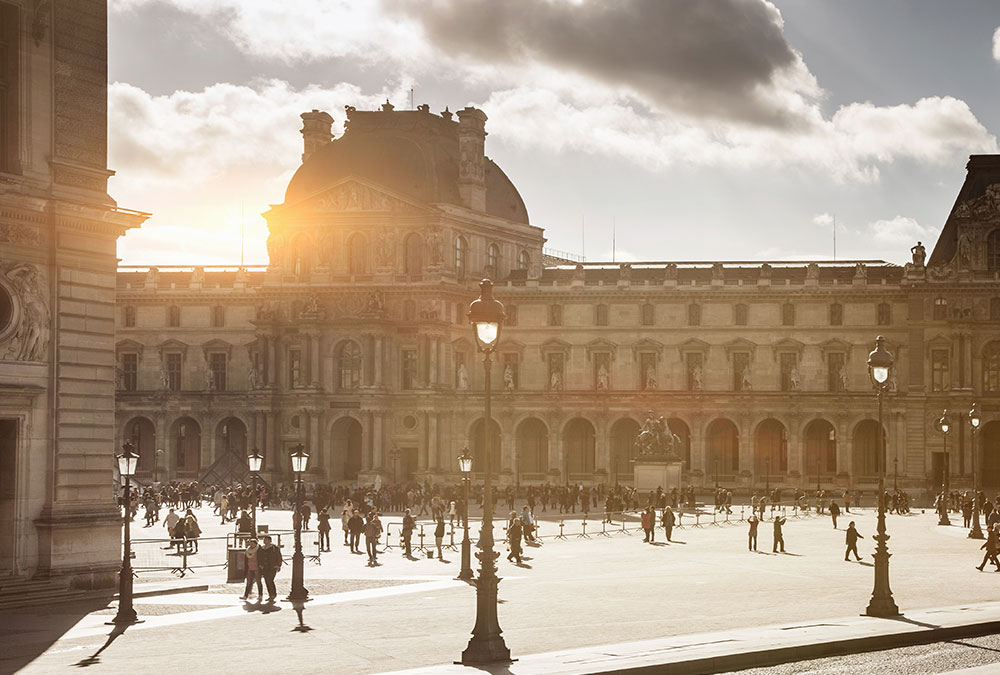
(723, 130)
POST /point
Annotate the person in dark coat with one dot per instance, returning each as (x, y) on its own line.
(834, 512)
(409, 523)
(514, 540)
(990, 545)
(779, 539)
(323, 525)
(356, 525)
(668, 521)
(753, 521)
(852, 542)
(269, 561)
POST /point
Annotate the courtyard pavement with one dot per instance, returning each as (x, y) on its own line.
(571, 594)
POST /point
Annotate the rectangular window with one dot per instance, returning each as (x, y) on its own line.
(940, 309)
(510, 371)
(173, 316)
(740, 315)
(9, 88)
(174, 372)
(217, 362)
(555, 315)
(511, 319)
(218, 316)
(836, 371)
(294, 368)
(836, 314)
(601, 315)
(695, 371)
(789, 362)
(647, 315)
(409, 369)
(741, 371)
(130, 372)
(884, 314)
(129, 319)
(940, 359)
(694, 315)
(788, 314)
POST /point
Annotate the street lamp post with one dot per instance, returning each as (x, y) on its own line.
(255, 460)
(974, 419)
(300, 460)
(716, 473)
(394, 456)
(944, 426)
(895, 473)
(880, 365)
(126, 616)
(465, 466)
(486, 314)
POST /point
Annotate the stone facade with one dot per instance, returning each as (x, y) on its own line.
(58, 232)
(354, 339)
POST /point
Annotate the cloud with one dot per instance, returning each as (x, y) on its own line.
(823, 219)
(899, 233)
(996, 45)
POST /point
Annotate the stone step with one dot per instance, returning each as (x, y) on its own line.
(18, 593)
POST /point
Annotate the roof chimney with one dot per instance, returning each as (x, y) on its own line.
(315, 132)
(472, 158)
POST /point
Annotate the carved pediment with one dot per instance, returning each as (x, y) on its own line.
(129, 346)
(510, 346)
(693, 345)
(984, 207)
(462, 344)
(173, 345)
(351, 195)
(216, 345)
(555, 345)
(647, 345)
(787, 345)
(601, 346)
(740, 345)
(835, 346)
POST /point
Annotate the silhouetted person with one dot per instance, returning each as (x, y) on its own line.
(753, 522)
(779, 540)
(852, 542)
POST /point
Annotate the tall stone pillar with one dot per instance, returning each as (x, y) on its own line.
(433, 358)
(272, 362)
(379, 361)
(315, 441)
(424, 446)
(314, 360)
(378, 461)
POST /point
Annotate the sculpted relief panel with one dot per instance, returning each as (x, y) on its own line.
(24, 313)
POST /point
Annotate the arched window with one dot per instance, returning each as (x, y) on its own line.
(523, 260)
(461, 255)
(993, 251)
(414, 254)
(349, 366)
(740, 314)
(356, 258)
(493, 258)
(940, 309)
(991, 366)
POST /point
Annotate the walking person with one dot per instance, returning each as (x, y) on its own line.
(647, 520)
(269, 561)
(753, 521)
(847, 502)
(668, 521)
(345, 518)
(373, 529)
(253, 571)
(779, 539)
(514, 540)
(409, 523)
(852, 542)
(990, 545)
(439, 535)
(356, 525)
(834, 512)
(323, 526)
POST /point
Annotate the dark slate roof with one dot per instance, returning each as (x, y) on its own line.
(412, 152)
(982, 171)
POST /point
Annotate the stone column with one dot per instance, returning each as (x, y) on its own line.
(272, 363)
(314, 359)
(368, 441)
(602, 450)
(271, 438)
(165, 465)
(315, 442)
(379, 361)
(433, 442)
(433, 356)
(378, 461)
(423, 444)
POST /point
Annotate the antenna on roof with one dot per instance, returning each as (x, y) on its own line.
(613, 238)
(835, 237)
(411, 98)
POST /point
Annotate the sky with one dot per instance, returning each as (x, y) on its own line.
(633, 129)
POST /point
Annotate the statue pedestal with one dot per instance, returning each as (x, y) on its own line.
(650, 473)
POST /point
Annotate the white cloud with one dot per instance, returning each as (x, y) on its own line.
(996, 45)
(823, 219)
(899, 233)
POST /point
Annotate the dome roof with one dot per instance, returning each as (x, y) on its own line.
(411, 152)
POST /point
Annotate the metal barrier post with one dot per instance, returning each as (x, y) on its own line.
(561, 535)
(624, 531)
(584, 533)
(388, 537)
(697, 518)
(604, 528)
(451, 540)
(680, 519)
(421, 547)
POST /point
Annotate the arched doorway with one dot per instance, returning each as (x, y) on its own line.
(476, 441)
(866, 449)
(770, 457)
(532, 447)
(141, 432)
(623, 451)
(821, 450)
(723, 443)
(989, 445)
(185, 438)
(578, 447)
(230, 436)
(679, 428)
(345, 449)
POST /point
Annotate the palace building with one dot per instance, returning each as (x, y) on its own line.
(354, 339)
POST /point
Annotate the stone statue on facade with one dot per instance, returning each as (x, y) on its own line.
(253, 377)
(198, 276)
(508, 378)
(860, 271)
(164, 379)
(376, 303)
(746, 384)
(209, 379)
(385, 248)
(650, 378)
(765, 271)
(435, 249)
(670, 271)
(919, 254)
(555, 381)
(602, 378)
(273, 243)
(794, 379)
(656, 439)
(152, 276)
(32, 335)
(463, 377)
(697, 378)
(311, 309)
(812, 271)
(624, 271)
(843, 378)
(119, 379)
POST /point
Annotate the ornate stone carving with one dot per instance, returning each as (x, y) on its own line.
(385, 248)
(198, 276)
(919, 254)
(671, 270)
(13, 233)
(940, 272)
(860, 271)
(625, 271)
(30, 338)
(39, 20)
(765, 271)
(985, 207)
(718, 272)
(812, 271)
(354, 196)
(435, 247)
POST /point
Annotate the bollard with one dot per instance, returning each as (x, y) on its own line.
(561, 535)
(604, 528)
(584, 532)
(421, 547)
